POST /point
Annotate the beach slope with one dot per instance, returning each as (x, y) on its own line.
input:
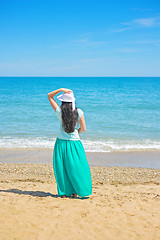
(124, 205)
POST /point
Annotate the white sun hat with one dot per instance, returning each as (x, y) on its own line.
(68, 97)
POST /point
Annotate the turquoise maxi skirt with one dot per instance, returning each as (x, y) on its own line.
(71, 168)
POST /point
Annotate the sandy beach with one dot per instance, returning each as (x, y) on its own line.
(76, 78)
(145, 159)
(125, 204)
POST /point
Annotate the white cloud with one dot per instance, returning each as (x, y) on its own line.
(121, 29)
(145, 42)
(87, 42)
(91, 60)
(141, 9)
(139, 22)
(82, 40)
(39, 68)
(147, 22)
(87, 34)
(144, 22)
(128, 50)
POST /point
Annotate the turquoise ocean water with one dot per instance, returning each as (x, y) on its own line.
(121, 113)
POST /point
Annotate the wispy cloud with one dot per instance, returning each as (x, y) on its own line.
(121, 29)
(145, 42)
(38, 68)
(144, 22)
(99, 60)
(91, 60)
(86, 34)
(56, 46)
(83, 41)
(138, 22)
(87, 42)
(128, 50)
(141, 9)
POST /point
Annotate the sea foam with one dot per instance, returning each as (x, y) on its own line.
(110, 145)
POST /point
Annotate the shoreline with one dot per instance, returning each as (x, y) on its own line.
(143, 159)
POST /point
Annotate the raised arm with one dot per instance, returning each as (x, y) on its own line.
(53, 103)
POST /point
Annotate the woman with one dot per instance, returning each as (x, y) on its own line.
(71, 168)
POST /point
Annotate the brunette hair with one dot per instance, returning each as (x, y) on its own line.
(69, 117)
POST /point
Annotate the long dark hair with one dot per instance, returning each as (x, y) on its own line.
(69, 117)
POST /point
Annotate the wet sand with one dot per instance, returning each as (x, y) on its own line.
(145, 159)
(124, 205)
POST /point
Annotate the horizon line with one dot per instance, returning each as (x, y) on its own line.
(80, 76)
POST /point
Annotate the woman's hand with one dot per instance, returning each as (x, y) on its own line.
(55, 92)
(65, 90)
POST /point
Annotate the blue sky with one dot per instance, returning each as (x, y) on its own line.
(80, 38)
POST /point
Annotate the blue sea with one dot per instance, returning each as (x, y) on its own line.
(121, 113)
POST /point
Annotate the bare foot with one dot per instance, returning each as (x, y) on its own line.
(63, 196)
(74, 195)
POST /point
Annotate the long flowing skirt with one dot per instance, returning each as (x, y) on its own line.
(71, 168)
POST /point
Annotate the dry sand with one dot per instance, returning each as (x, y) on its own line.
(125, 204)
